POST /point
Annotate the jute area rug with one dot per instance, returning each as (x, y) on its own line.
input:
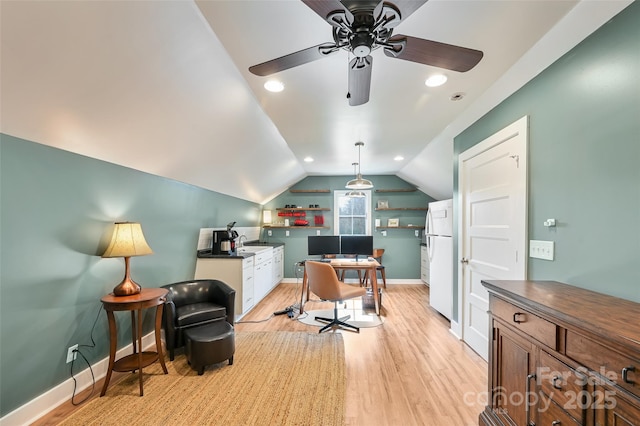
(277, 378)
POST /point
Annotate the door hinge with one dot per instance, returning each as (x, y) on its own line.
(517, 158)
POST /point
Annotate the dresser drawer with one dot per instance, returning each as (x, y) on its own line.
(540, 329)
(551, 414)
(564, 385)
(621, 369)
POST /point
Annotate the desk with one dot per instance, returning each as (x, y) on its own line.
(147, 298)
(340, 264)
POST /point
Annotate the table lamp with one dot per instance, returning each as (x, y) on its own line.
(127, 240)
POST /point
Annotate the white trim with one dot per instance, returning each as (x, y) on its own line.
(518, 127)
(337, 194)
(44, 403)
(395, 281)
(455, 329)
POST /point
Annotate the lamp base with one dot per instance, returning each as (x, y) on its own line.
(127, 287)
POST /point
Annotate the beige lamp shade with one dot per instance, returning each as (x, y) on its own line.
(127, 240)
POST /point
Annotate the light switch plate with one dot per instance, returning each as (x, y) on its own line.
(541, 249)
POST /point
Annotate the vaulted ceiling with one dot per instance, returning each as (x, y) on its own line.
(164, 87)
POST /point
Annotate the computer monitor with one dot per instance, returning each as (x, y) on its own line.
(356, 245)
(323, 244)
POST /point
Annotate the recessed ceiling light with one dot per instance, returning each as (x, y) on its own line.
(308, 159)
(436, 80)
(398, 158)
(274, 86)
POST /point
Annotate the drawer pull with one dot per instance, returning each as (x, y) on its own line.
(517, 319)
(625, 374)
(556, 423)
(555, 381)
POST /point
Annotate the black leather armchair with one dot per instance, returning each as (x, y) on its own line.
(194, 303)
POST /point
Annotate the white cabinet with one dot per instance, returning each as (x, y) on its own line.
(424, 264)
(248, 293)
(252, 277)
(263, 273)
(278, 265)
(236, 272)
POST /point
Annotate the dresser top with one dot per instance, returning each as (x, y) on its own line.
(618, 319)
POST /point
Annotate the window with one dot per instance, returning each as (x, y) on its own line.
(353, 215)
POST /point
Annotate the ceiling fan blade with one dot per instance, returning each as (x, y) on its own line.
(407, 7)
(293, 59)
(434, 53)
(323, 7)
(359, 80)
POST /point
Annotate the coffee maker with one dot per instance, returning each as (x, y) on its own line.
(224, 242)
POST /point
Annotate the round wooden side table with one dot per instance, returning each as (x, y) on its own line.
(147, 298)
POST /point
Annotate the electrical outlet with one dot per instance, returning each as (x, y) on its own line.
(71, 353)
(541, 249)
(318, 232)
(286, 233)
(417, 233)
(270, 232)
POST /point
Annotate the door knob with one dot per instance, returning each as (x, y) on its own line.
(464, 260)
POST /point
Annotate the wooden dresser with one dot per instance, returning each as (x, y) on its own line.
(561, 356)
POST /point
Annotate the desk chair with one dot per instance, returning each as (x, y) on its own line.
(377, 255)
(324, 283)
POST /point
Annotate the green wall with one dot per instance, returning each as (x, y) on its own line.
(402, 247)
(584, 159)
(56, 213)
(57, 208)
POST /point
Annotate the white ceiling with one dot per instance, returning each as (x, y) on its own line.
(163, 87)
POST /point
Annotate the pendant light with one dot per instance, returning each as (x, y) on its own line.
(359, 182)
(355, 193)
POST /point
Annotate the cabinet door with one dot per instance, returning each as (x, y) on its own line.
(278, 266)
(613, 409)
(513, 380)
(424, 264)
(247, 288)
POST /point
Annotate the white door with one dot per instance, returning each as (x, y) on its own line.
(493, 223)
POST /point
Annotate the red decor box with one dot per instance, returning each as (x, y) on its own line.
(318, 220)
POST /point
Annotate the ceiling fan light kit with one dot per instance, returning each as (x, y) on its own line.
(362, 26)
(359, 182)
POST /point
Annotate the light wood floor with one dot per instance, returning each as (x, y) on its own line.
(409, 371)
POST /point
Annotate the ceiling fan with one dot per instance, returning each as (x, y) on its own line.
(361, 26)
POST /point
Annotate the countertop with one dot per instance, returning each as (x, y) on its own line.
(206, 253)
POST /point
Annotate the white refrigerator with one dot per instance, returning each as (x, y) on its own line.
(439, 241)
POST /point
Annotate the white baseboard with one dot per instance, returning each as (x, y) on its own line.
(354, 280)
(455, 329)
(41, 405)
